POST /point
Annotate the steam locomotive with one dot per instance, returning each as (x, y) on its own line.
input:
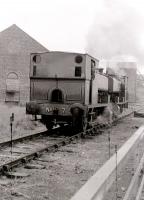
(69, 88)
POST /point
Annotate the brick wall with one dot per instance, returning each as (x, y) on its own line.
(15, 49)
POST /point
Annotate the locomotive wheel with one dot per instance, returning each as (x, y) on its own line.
(49, 126)
(79, 124)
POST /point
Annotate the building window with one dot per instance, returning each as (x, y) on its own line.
(36, 58)
(78, 71)
(78, 59)
(57, 96)
(12, 75)
(92, 69)
(34, 70)
(12, 82)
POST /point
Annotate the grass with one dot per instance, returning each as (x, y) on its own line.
(22, 125)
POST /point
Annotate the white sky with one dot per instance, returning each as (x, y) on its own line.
(57, 24)
(81, 25)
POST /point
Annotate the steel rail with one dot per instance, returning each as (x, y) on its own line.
(49, 148)
(42, 133)
(27, 137)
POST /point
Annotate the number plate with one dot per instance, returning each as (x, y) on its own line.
(51, 109)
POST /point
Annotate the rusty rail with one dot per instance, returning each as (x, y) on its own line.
(11, 164)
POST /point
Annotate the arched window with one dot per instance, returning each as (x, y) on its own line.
(12, 82)
(57, 96)
(12, 75)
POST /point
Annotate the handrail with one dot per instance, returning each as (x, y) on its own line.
(97, 186)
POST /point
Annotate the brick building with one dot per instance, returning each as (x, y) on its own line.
(15, 49)
(130, 68)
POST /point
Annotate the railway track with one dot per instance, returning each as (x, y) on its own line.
(21, 150)
(30, 147)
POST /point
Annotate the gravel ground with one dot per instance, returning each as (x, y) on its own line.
(59, 175)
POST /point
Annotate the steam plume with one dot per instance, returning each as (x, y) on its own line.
(117, 30)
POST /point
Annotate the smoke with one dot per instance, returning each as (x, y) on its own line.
(118, 67)
(110, 113)
(118, 30)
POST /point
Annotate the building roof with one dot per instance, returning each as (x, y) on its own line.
(14, 40)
